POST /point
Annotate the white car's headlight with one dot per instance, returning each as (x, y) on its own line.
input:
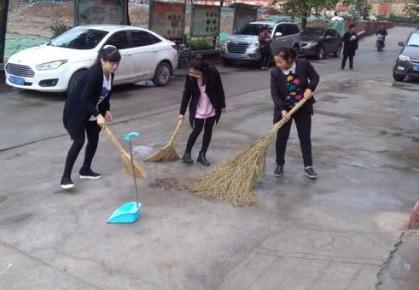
(51, 65)
(404, 58)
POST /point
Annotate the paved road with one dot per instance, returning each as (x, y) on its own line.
(334, 233)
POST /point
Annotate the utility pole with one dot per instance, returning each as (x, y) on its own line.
(4, 8)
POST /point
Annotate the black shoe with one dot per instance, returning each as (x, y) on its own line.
(351, 68)
(279, 171)
(203, 159)
(310, 173)
(187, 158)
(66, 182)
(87, 173)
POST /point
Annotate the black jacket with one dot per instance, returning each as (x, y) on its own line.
(81, 103)
(279, 87)
(214, 90)
(350, 46)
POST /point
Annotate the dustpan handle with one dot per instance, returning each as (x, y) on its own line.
(130, 136)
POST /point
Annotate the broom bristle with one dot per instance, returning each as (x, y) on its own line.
(167, 153)
(235, 179)
(139, 170)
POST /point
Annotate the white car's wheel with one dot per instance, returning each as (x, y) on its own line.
(75, 79)
(162, 74)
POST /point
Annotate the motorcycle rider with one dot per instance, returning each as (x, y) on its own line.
(381, 34)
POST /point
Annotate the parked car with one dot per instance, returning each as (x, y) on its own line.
(407, 64)
(320, 42)
(243, 46)
(58, 65)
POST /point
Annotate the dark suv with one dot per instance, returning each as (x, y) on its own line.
(407, 63)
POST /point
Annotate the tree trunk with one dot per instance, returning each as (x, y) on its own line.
(4, 8)
(127, 12)
(304, 20)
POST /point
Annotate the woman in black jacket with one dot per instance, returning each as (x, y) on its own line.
(87, 110)
(205, 95)
(350, 46)
(292, 80)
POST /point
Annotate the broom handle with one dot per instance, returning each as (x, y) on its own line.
(113, 139)
(176, 132)
(283, 121)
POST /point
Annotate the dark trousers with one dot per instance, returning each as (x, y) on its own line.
(92, 130)
(351, 60)
(266, 59)
(199, 124)
(302, 120)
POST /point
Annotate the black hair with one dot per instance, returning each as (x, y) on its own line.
(352, 25)
(198, 64)
(289, 54)
(108, 53)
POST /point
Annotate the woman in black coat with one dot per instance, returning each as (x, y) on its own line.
(350, 46)
(292, 80)
(205, 95)
(87, 110)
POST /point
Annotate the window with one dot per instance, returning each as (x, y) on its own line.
(79, 38)
(142, 38)
(329, 33)
(413, 40)
(291, 29)
(280, 28)
(253, 29)
(119, 40)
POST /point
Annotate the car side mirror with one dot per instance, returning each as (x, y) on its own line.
(401, 43)
(278, 34)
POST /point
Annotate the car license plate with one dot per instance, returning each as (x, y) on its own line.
(235, 55)
(416, 67)
(17, 80)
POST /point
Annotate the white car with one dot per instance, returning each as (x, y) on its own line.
(58, 65)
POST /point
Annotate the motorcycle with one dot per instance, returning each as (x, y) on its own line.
(380, 42)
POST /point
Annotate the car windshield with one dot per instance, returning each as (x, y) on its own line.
(414, 40)
(254, 29)
(313, 32)
(79, 38)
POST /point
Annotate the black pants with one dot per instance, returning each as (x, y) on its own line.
(199, 124)
(92, 131)
(303, 122)
(266, 59)
(351, 60)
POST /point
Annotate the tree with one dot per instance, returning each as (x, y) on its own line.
(303, 8)
(4, 7)
(412, 9)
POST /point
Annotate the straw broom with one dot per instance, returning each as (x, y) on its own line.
(168, 152)
(138, 169)
(235, 179)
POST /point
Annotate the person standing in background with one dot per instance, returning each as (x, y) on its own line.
(350, 45)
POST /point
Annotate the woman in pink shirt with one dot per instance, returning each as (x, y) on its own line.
(204, 94)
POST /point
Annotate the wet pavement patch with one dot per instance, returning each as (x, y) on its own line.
(3, 198)
(17, 219)
(170, 183)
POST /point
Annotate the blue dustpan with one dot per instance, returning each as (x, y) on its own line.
(129, 212)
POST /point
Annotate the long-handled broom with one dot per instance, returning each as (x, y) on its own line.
(137, 169)
(168, 152)
(235, 179)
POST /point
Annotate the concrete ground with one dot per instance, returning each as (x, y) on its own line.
(338, 232)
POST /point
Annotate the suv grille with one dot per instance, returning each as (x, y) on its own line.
(237, 47)
(19, 70)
